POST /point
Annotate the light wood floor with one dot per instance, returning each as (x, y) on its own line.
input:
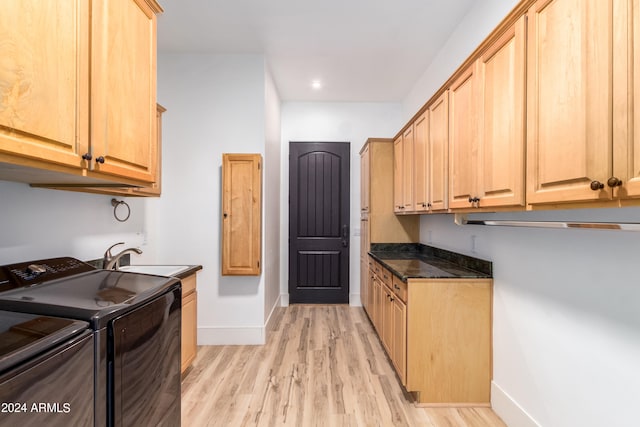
(322, 366)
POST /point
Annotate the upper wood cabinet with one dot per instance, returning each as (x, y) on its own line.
(626, 106)
(241, 214)
(398, 176)
(438, 153)
(44, 91)
(501, 133)
(78, 92)
(463, 139)
(431, 144)
(486, 139)
(403, 172)
(377, 158)
(123, 89)
(421, 163)
(569, 99)
(407, 169)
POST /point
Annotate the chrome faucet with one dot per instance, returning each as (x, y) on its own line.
(112, 262)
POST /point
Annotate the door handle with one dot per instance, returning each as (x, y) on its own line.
(345, 235)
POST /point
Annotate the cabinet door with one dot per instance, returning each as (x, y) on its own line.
(501, 120)
(365, 162)
(241, 214)
(189, 338)
(407, 169)
(463, 158)
(569, 92)
(438, 153)
(44, 86)
(387, 320)
(377, 304)
(421, 162)
(400, 338)
(627, 102)
(398, 177)
(123, 89)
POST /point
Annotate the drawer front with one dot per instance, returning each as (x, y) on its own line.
(400, 288)
(386, 277)
(377, 268)
(188, 285)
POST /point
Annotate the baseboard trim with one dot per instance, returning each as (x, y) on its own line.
(354, 300)
(509, 410)
(248, 335)
(284, 300)
(275, 306)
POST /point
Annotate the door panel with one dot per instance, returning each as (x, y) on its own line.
(569, 97)
(319, 222)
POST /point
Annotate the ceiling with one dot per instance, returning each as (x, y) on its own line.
(360, 50)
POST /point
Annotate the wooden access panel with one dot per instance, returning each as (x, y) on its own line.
(241, 214)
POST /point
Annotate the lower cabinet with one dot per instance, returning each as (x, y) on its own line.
(437, 334)
(189, 345)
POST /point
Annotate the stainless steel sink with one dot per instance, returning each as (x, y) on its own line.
(158, 270)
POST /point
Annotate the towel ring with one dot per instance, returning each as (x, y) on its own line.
(115, 203)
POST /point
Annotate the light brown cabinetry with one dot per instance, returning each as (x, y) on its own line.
(486, 145)
(463, 139)
(438, 153)
(123, 89)
(241, 214)
(449, 340)
(437, 333)
(378, 222)
(78, 92)
(569, 95)
(382, 225)
(44, 86)
(398, 175)
(189, 346)
(421, 163)
(626, 150)
(431, 143)
(403, 167)
(501, 116)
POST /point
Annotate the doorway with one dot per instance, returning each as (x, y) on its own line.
(319, 222)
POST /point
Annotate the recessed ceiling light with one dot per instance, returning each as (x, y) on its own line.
(316, 84)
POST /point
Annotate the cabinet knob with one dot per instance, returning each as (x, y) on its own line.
(613, 182)
(429, 205)
(470, 199)
(87, 156)
(596, 185)
(100, 160)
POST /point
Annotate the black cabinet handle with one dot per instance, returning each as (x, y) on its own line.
(613, 182)
(100, 160)
(87, 156)
(596, 185)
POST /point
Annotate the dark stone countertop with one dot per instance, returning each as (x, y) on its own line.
(415, 260)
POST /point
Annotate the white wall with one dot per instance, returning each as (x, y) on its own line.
(340, 122)
(215, 104)
(566, 324)
(481, 19)
(271, 188)
(39, 223)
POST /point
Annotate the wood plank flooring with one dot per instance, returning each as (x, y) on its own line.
(323, 365)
